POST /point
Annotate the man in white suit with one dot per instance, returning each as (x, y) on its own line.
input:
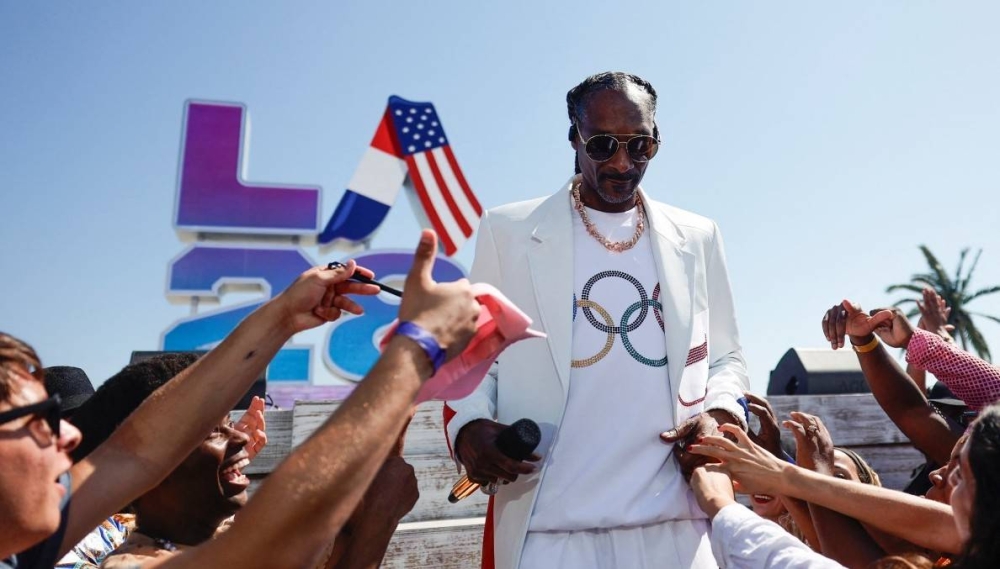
(642, 338)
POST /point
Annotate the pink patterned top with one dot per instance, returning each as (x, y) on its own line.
(971, 379)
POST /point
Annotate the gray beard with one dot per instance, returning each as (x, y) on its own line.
(617, 198)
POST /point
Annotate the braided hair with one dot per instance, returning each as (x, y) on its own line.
(577, 97)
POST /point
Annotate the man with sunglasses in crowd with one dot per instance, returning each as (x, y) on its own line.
(635, 298)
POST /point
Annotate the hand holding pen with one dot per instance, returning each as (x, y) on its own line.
(359, 277)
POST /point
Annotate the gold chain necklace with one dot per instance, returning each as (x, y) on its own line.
(613, 246)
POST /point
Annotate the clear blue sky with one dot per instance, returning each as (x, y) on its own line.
(827, 139)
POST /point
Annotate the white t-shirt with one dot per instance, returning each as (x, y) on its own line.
(608, 467)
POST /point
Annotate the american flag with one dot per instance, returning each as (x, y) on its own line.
(409, 142)
(440, 186)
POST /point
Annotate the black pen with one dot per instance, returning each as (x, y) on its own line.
(363, 279)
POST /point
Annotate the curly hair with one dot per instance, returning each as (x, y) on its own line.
(122, 394)
(15, 353)
(577, 97)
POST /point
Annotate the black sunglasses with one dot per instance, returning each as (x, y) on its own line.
(48, 409)
(603, 147)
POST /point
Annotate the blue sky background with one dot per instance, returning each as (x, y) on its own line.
(827, 139)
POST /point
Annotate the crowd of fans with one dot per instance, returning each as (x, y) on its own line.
(136, 475)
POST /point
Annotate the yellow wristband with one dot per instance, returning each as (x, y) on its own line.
(864, 349)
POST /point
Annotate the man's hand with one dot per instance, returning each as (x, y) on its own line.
(813, 444)
(847, 318)
(712, 489)
(252, 424)
(446, 310)
(318, 296)
(753, 469)
(690, 432)
(934, 313)
(476, 448)
(769, 435)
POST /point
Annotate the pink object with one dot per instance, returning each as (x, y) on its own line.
(971, 379)
(500, 324)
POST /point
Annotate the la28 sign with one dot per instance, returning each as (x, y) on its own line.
(231, 217)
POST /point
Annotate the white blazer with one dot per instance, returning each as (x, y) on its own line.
(526, 250)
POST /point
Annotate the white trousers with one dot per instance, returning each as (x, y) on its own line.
(680, 544)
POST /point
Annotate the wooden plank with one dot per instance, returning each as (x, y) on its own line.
(852, 419)
(439, 545)
(893, 463)
(435, 477)
(424, 436)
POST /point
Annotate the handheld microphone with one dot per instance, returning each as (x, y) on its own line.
(517, 441)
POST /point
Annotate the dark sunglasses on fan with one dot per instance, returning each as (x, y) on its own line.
(603, 147)
(48, 409)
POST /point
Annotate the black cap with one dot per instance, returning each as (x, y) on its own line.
(72, 385)
(941, 395)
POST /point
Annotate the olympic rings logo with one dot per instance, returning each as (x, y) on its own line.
(606, 324)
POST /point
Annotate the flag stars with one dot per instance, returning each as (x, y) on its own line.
(406, 129)
(434, 123)
(441, 140)
(409, 119)
(399, 112)
(412, 148)
(416, 136)
(413, 111)
(423, 117)
(427, 144)
(420, 126)
(430, 132)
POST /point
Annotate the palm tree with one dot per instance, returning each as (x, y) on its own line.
(955, 292)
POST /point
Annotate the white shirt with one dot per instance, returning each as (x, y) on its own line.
(608, 467)
(743, 540)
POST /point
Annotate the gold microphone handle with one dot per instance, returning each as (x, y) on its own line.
(462, 489)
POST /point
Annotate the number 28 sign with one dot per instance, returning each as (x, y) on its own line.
(248, 233)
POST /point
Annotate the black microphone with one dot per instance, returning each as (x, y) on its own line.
(517, 441)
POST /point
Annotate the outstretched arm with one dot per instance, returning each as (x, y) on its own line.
(363, 540)
(839, 537)
(166, 427)
(309, 497)
(741, 538)
(920, 521)
(727, 370)
(902, 400)
(971, 379)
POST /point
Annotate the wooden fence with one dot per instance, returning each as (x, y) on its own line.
(439, 534)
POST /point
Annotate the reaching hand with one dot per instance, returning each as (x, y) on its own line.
(447, 310)
(712, 489)
(484, 463)
(252, 424)
(813, 444)
(847, 318)
(689, 432)
(769, 435)
(897, 331)
(750, 466)
(934, 313)
(318, 296)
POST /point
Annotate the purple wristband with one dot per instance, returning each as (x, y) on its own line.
(425, 340)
